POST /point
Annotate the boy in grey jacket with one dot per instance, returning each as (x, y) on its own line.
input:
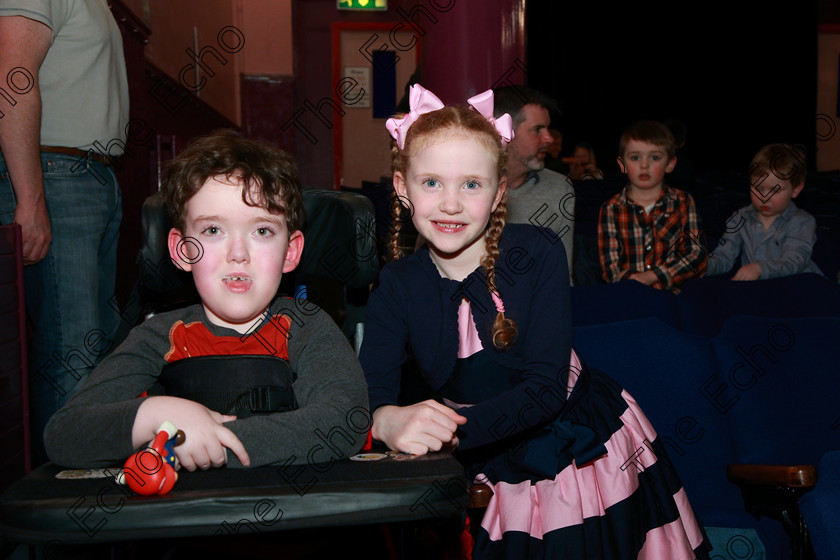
(237, 208)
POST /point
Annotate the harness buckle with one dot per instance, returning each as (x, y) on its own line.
(260, 399)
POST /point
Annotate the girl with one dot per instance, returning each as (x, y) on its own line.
(484, 309)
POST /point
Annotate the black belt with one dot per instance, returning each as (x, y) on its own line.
(90, 154)
(240, 385)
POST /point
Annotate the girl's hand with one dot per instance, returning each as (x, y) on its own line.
(750, 271)
(418, 428)
(207, 440)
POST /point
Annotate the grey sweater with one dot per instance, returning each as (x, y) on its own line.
(94, 427)
(545, 199)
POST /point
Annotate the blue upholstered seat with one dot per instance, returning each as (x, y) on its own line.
(705, 303)
(622, 301)
(819, 508)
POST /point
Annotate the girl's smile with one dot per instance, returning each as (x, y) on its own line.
(448, 227)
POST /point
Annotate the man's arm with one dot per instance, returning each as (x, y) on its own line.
(24, 43)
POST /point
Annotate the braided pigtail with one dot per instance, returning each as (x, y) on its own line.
(396, 250)
(504, 329)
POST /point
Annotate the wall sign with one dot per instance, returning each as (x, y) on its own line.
(363, 5)
(362, 75)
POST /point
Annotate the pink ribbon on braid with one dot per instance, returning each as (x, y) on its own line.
(497, 301)
(483, 103)
(420, 101)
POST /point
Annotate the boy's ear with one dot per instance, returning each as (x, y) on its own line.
(798, 189)
(621, 164)
(294, 252)
(671, 164)
(179, 251)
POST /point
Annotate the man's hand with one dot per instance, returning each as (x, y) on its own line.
(750, 271)
(207, 440)
(418, 428)
(35, 223)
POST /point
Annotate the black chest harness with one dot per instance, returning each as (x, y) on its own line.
(240, 385)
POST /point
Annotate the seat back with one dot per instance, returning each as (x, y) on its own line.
(340, 232)
(622, 301)
(780, 393)
(664, 369)
(704, 304)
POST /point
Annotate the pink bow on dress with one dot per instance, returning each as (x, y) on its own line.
(483, 103)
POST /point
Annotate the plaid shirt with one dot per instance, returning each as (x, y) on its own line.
(666, 241)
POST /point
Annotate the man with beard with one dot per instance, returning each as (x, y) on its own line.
(535, 195)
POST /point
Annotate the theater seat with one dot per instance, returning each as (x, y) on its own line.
(779, 396)
(622, 301)
(664, 370)
(14, 393)
(819, 508)
(705, 303)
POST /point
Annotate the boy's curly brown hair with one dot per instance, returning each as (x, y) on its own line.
(228, 154)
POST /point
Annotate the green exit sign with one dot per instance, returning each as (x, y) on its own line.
(362, 4)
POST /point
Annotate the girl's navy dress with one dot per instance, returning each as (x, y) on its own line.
(575, 467)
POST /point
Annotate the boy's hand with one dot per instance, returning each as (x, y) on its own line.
(648, 277)
(207, 440)
(750, 271)
(418, 428)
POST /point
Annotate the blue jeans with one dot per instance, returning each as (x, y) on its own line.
(67, 293)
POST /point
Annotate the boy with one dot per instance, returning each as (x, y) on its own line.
(237, 209)
(773, 237)
(649, 232)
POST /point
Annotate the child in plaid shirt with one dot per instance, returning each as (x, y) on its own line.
(649, 232)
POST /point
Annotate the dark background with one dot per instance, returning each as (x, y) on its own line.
(739, 74)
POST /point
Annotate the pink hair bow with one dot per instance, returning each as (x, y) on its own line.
(483, 103)
(420, 101)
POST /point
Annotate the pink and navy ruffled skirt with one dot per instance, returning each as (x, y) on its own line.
(592, 484)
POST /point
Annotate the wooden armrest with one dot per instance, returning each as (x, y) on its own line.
(480, 496)
(793, 476)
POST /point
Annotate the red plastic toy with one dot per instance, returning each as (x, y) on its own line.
(152, 469)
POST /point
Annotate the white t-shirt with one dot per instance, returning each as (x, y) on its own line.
(84, 88)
